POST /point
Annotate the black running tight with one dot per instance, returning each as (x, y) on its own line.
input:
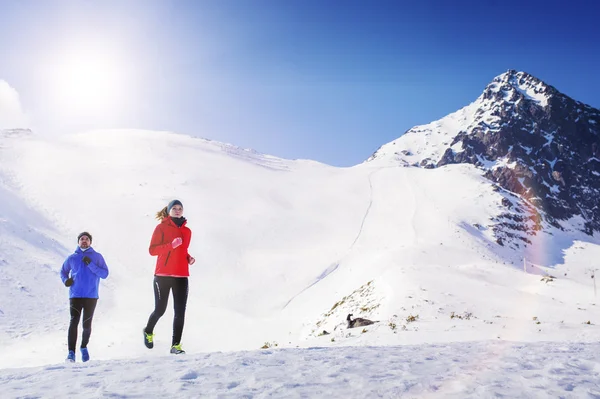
(162, 286)
(79, 306)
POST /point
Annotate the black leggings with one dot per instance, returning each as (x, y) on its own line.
(162, 286)
(87, 305)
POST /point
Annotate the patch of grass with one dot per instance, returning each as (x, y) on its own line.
(361, 301)
(412, 318)
(464, 316)
(337, 304)
(366, 309)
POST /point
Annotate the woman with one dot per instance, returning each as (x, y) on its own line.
(170, 243)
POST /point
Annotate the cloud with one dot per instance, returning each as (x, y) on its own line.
(11, 112)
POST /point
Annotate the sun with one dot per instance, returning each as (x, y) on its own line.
(86, 77)
(88, 80)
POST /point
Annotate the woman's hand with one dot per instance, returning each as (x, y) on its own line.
(191, 260)
(176, 242)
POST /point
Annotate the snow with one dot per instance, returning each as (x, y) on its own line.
(457, 370)
(427, 142)
(284, 250)
(549, 138)
(529, 87)
(487, 164)
(501, 163)
(555, 189)
(527, 149)
(533, 93)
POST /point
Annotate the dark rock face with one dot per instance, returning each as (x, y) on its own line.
(519, 222)
(535, 141)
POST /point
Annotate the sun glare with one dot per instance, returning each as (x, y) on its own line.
(87, 77)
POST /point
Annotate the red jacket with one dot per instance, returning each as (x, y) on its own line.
(171, 262)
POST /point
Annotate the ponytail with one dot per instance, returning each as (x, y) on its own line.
(160, 215)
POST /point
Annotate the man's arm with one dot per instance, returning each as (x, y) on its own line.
(99, 267)
(65, 269)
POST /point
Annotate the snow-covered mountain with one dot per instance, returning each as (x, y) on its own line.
(530, 139)
(286, 249)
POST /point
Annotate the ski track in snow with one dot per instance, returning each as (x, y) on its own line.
(413, 215)
(334, 266)
(362, 224)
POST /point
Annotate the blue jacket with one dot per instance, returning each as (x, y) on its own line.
(86, 278)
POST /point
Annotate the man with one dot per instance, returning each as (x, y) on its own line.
(82, 272)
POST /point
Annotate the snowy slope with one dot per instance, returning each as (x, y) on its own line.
(424, 145)
(285, 250)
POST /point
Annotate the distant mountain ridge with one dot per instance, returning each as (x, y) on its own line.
(15, 132)
(530, 140)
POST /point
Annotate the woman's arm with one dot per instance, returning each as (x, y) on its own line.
(157, 246)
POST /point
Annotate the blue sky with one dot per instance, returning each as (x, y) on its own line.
(324, 80)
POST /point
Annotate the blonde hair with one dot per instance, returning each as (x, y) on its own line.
(160, 215)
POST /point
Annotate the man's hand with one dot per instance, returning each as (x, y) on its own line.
(69, 282)
(176, 242)
(86, 260)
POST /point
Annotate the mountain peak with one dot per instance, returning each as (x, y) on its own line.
(529, 138)
(515, 86)
(512, 75)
